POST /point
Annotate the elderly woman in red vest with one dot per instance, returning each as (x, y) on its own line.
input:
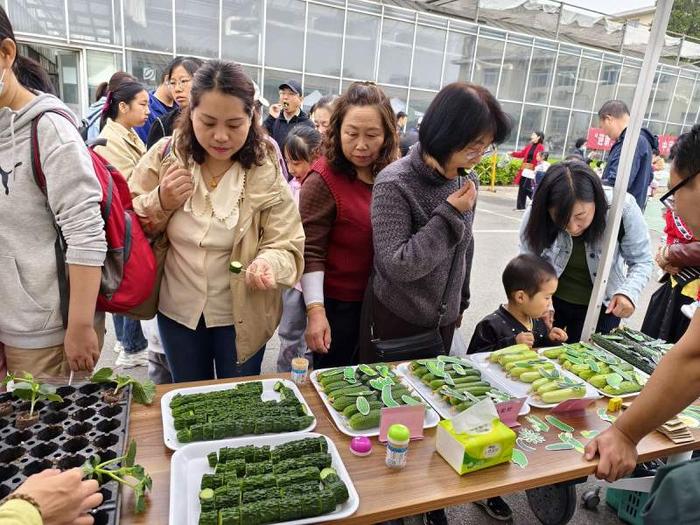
(335, 210)
(529, 156)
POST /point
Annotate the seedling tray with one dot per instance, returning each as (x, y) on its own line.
(65, 436)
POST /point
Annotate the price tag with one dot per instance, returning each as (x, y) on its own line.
(508, 411)
(573, 407)
(410, 415)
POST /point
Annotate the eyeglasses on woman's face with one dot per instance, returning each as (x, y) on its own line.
(668, 199)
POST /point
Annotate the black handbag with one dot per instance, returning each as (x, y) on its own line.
(420, 346)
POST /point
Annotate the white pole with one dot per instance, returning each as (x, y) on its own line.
(639, 104)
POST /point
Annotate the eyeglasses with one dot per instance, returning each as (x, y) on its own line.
(476, 154)
(179, 83)
(668, 199)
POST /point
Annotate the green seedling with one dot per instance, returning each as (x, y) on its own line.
(143, 391)
(29, 389)
(127, 473)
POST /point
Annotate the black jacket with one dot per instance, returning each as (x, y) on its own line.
(499, 329)
(279, 127)
(162, 127)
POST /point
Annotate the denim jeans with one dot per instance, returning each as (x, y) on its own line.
(129, 334)
(204, 353)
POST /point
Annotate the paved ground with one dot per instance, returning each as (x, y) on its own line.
(496, 237)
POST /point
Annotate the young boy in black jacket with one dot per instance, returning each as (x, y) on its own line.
(530, 282)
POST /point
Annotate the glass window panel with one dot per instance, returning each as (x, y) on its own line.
(420, 100)
(95, 21)
(197, 23)
(395, 58)
(673, 129)
(273, 79)
(397, 97)
(513, 109)
(556, 131)
(657, 128)
(241, 31)
(324, 40)
(694, 105)
(361, 33)
(533, 120)
(540, 79)
(146, 67)
(317, 87)
(684, 91)
(565, 80)
(587, 81)
(149, 25)
(253, 73)
(489, 54)
(662, 101)
(628, 83)
(460, 54)
(513, 75)
(578, 129)
(284, 34)
(100, 67)
(427, 57)
(609, 75)
(42, 18)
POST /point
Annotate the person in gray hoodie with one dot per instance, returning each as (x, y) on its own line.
(31, 325)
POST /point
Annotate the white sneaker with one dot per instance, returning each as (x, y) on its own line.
(118, 348)
(690, 309)
(132, 360)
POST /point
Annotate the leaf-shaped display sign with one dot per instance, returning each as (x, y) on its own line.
(380, 382)
(607, 358)
(459, 369)
(384, 371)
(409, 400)
(450, 392)
(593, 365)
(611, 337)
(349, 375)
(614, 380)
(388, 398)
(362, 405)
(437, 368)
(498, 396)
(549, 374)
(626, 376)
(422, 362)
(519, 458)
(575, 359)
(448, 379)
(360, 394)
(568, 383)
(640, 379)
(450, 359)
(367, 370)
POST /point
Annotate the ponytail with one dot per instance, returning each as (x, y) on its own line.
(126, 92)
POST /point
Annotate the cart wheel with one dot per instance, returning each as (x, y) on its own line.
(553, 504)
(591, 498)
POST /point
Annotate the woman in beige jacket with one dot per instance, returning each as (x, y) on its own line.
(218, 194)
(125, 109)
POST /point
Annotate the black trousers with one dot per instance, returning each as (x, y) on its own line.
(524, 191)
(344, 320)
(572, 316)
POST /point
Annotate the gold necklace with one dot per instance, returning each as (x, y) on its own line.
(214, 179)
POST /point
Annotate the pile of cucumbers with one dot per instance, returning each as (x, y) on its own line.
(359, 393)
(606, 372)
(523, 364)
(456, 381)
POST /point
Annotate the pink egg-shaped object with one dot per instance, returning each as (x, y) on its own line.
(361, 446)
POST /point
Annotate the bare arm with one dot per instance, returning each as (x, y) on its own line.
(80, 342)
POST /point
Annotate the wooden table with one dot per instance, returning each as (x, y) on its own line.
(427, 482)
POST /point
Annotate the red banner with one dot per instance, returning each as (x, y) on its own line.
(666, 142)
(598, 140)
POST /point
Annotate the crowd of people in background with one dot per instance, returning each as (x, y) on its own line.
(351, 229)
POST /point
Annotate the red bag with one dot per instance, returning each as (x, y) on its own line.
(129, 270)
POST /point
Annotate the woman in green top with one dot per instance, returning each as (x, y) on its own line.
(565, 225)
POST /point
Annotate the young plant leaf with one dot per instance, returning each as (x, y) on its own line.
(103, 375)
(143, 393)
(130, 457)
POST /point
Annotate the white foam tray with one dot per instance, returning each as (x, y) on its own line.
(169, 432)
(643, 375)
(431, 417)
(190, 462)
(445, 409)
(493, 371)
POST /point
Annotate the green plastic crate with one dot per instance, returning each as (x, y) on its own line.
(631, 504)
(613, 497)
